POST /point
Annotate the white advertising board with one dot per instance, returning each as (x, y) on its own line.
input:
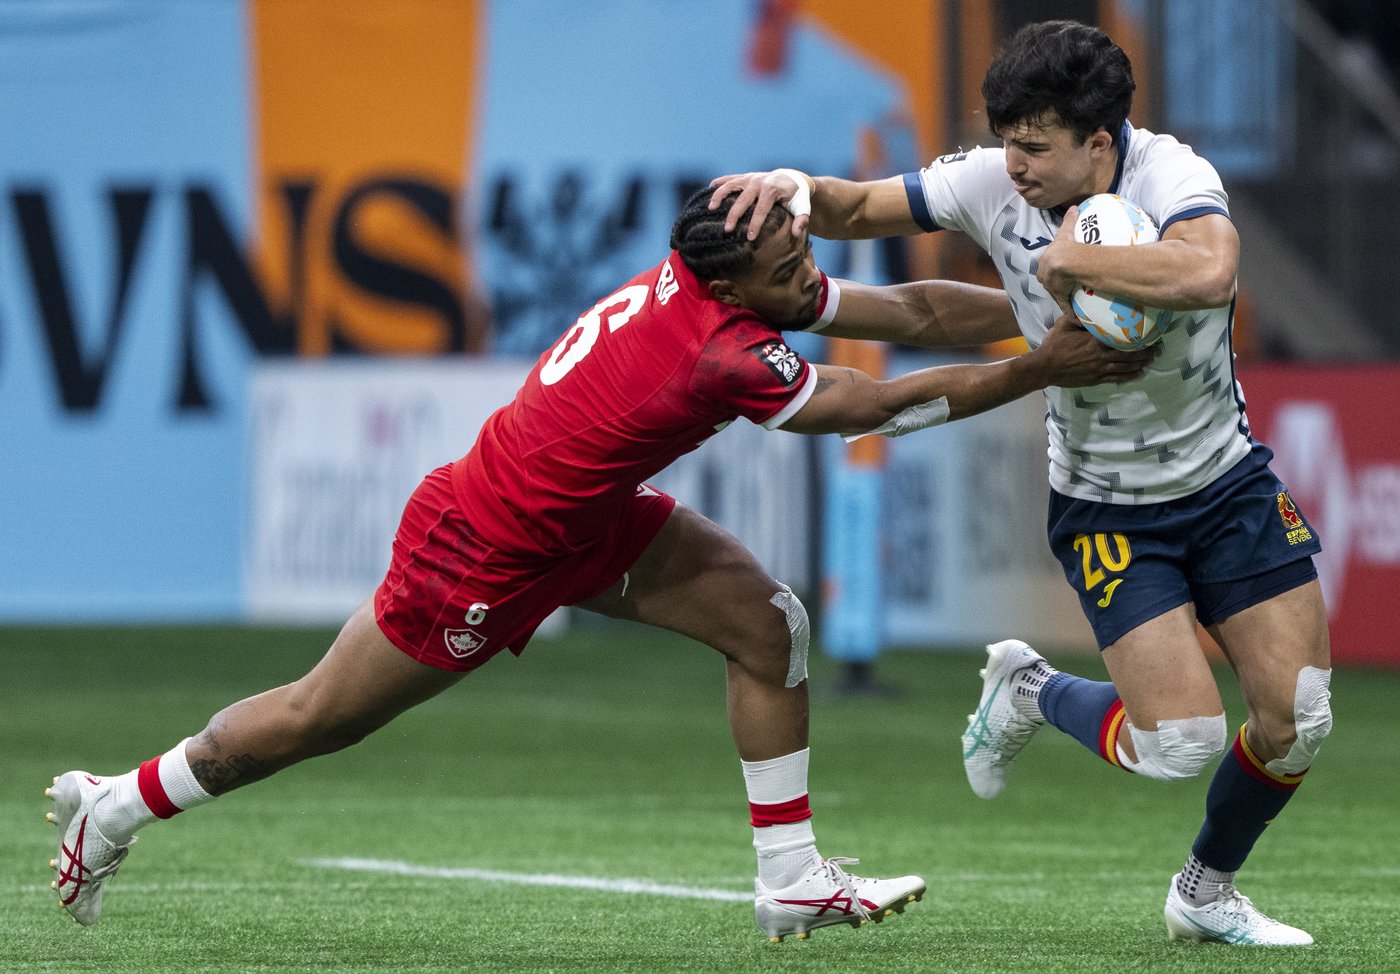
(337, 447)
(966, 560)
(336, 450)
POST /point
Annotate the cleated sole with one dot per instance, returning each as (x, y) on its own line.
(876, 916)
(807, 934)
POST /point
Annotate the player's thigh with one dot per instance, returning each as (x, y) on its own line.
(697, 579)
(364, 680)
(1125, 562)
(1161, 673)
(1268, 644)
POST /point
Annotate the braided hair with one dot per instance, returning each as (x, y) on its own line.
(699, 237)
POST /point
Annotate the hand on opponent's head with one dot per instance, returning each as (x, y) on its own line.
(760, 192)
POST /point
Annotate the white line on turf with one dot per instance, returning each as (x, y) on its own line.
(396, 868)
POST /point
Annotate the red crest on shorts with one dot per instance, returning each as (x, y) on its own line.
(461, 643)
(1288, 512)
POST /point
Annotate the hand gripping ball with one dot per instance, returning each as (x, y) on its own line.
(1112, 221)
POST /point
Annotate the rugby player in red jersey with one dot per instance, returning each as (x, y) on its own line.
(551, 508)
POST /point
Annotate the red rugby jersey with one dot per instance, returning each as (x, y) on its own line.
(647, 374)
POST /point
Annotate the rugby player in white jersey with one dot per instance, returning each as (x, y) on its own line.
(1163, 509)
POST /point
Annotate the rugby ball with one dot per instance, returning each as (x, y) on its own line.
(1109, 220)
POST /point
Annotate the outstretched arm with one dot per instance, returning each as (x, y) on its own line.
(932, 314)
(839, 209)
(850, 402)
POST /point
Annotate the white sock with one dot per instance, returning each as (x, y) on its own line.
(1198, 884)
(786, 853)
(159, 788)
(778, 804)
(1026, 684)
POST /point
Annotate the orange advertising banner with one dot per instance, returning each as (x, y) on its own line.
(364, 114)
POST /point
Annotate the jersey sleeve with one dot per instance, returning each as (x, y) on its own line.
(960, 191)
(1175, 184)
(746, 369)
(826, 307)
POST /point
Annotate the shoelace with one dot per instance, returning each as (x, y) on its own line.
(846, 882)
(1234, 902)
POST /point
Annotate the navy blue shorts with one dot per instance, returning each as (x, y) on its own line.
(1235, 543)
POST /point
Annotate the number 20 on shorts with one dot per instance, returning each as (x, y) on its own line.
(1113, 555)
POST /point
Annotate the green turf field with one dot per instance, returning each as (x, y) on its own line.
(604, 756)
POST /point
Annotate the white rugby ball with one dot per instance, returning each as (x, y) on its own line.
(1110, 220)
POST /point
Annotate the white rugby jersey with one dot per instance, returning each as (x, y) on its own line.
(1156, 438)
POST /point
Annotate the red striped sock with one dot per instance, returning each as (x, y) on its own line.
(152, 791)
(1243, 798)
(1114, 723)
(780, 813)
(168, 785)
(159, 788)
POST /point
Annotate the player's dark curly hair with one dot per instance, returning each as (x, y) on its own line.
(1060, 70)
(698, 236)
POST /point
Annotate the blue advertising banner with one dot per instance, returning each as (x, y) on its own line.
(121, 494)
(188, 189)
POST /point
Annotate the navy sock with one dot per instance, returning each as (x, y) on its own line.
(1089, 712)
(1243, 799)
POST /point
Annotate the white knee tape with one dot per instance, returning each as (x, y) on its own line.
(1312, 721)
(800, 629)
(1178, 748)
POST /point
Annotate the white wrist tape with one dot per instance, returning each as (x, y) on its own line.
(910, 420)
(801, 202)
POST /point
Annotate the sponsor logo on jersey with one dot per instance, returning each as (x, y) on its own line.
(666, 284)
(1035, 244)
(1295, 529)
(782, 360)
(462, 643)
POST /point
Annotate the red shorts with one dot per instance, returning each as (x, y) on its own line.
(453, 601)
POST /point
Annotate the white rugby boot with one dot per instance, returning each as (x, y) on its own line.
(1229, 919)
(998, 731)
(86, 858)
(828, 895)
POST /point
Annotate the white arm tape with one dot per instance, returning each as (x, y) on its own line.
(801, 202)
(919, 417)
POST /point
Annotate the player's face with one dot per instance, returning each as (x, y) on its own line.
(1050, 167)
(783, 286)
